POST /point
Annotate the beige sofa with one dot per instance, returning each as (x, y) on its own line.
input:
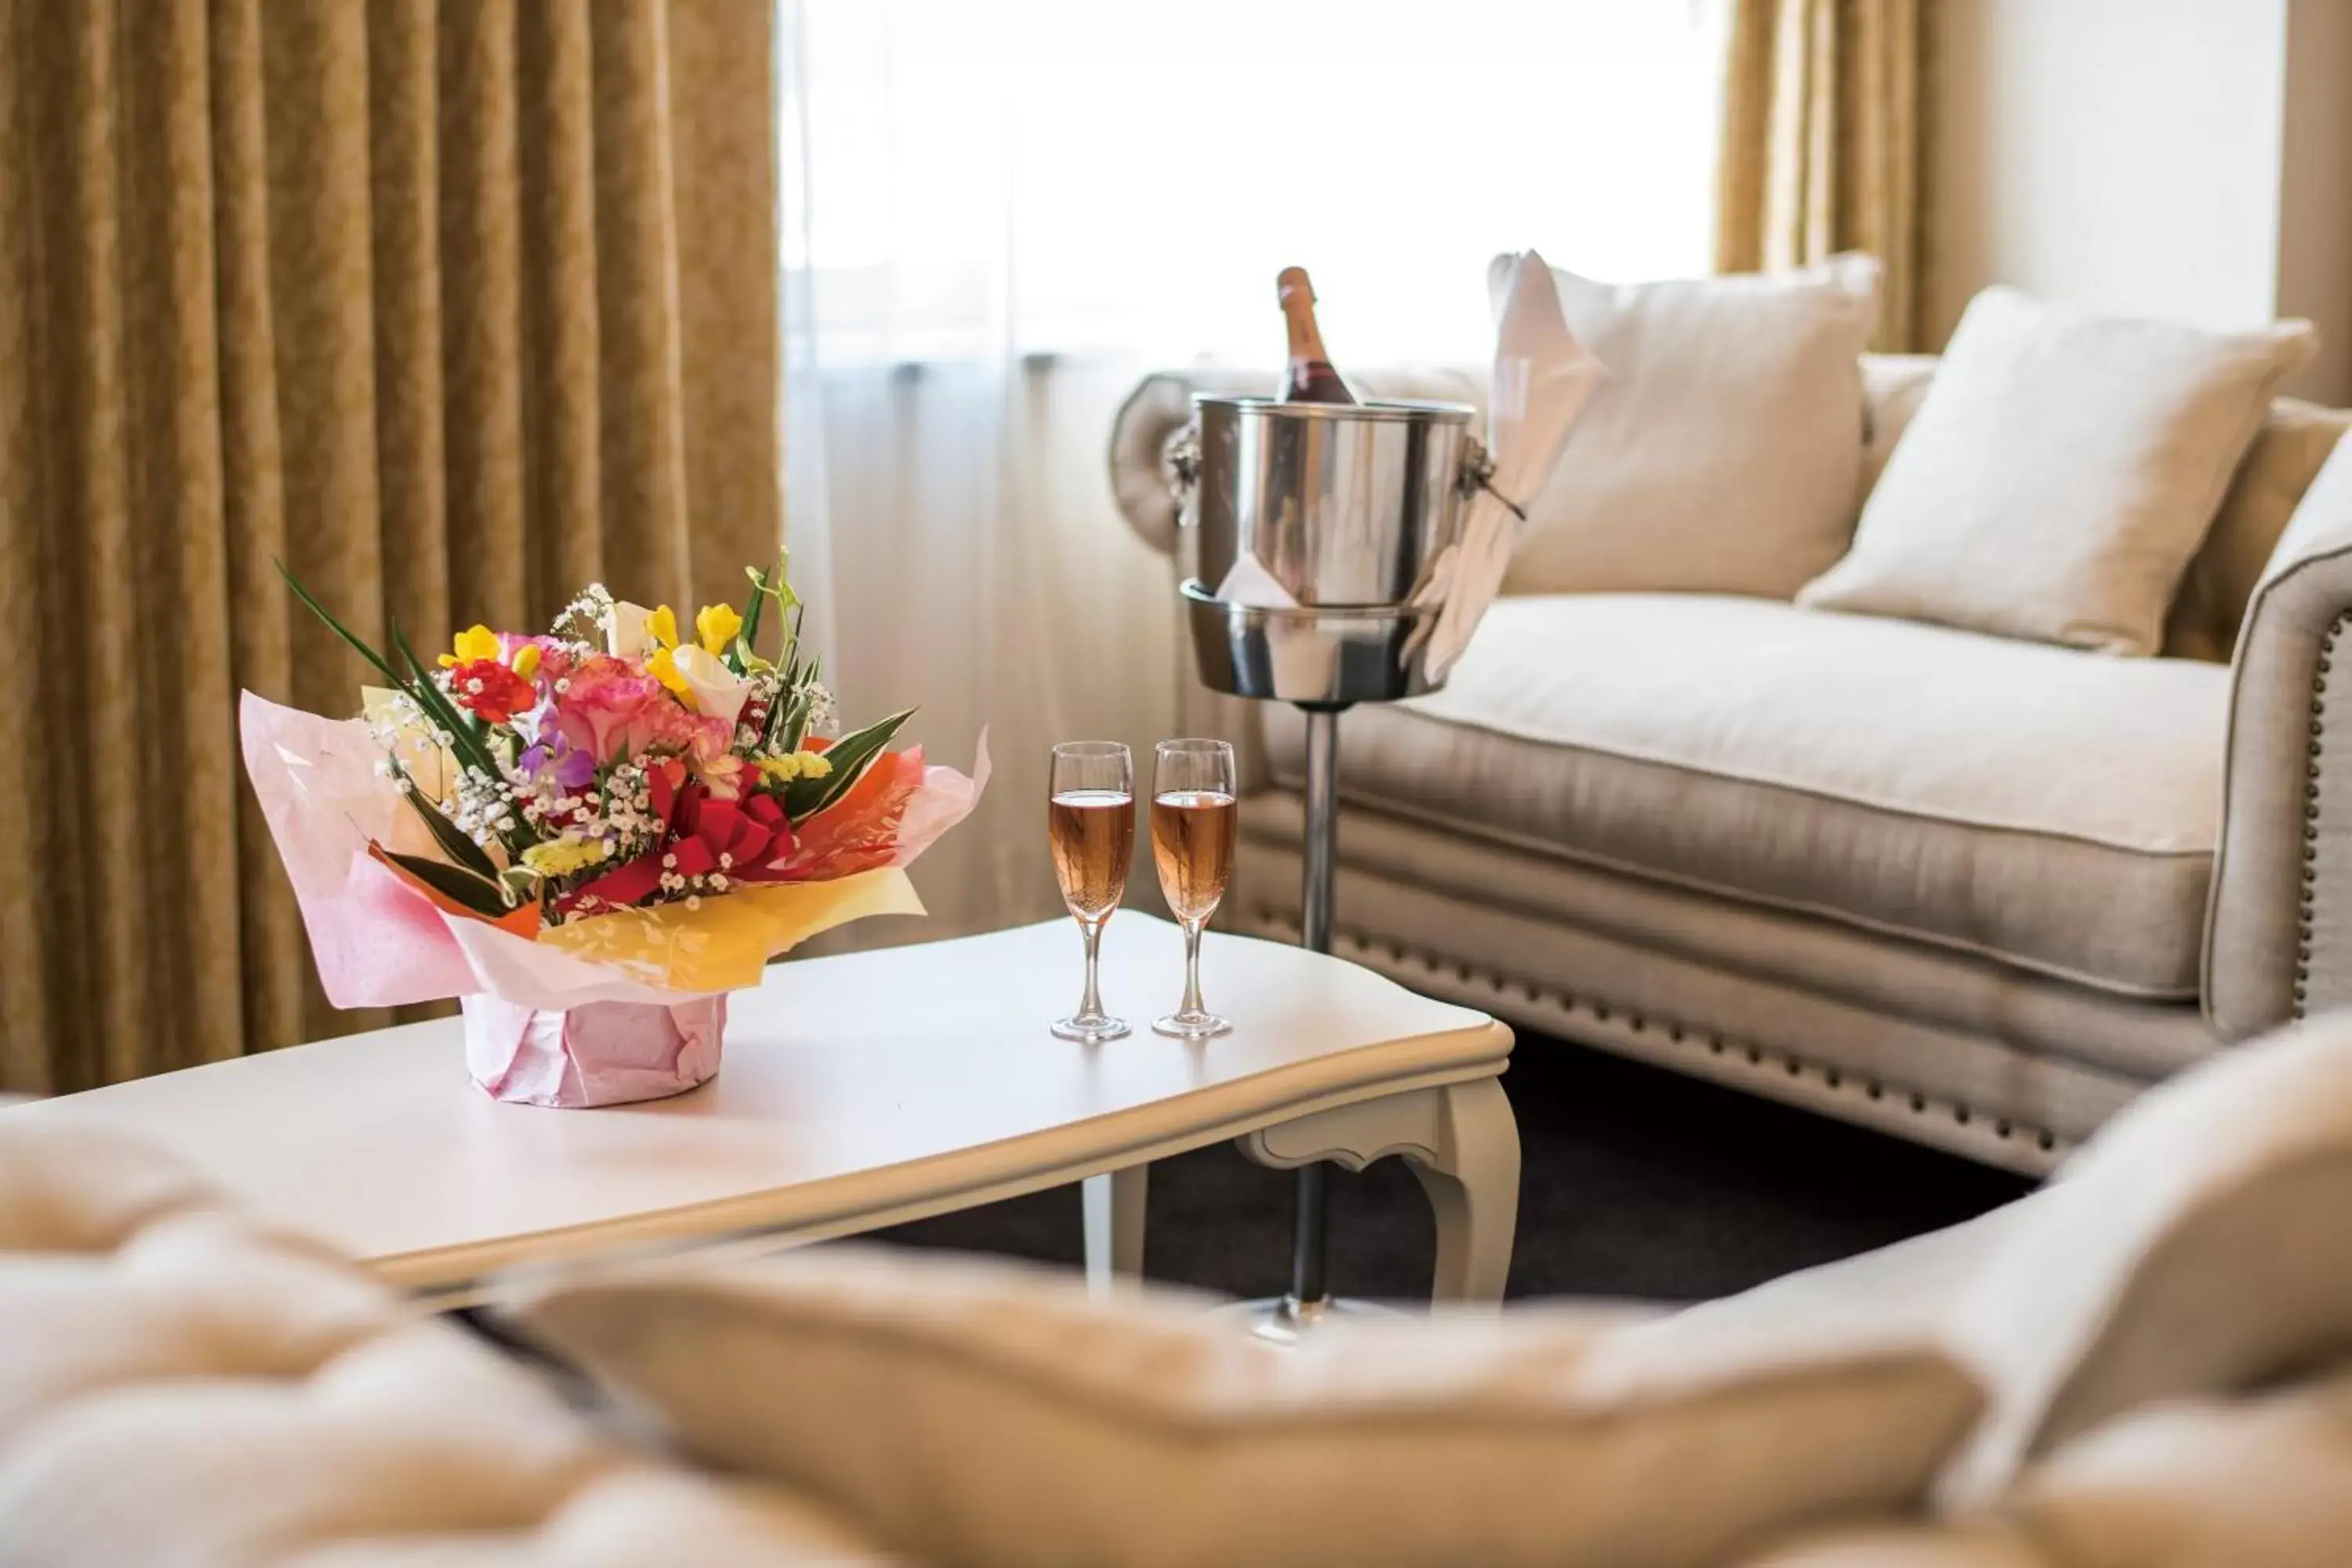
(2143, 1365)
(1974, 891)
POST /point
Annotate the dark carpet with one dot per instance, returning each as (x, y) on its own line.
(1635, 1182)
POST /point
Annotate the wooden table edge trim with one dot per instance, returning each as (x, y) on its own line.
(457, 1276)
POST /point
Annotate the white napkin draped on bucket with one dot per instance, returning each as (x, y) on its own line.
(1541, 378)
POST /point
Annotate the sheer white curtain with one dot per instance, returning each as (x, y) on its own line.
(997, 215)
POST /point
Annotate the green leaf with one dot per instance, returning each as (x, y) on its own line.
(463, 740)
(456, 883)
(850, 757)
(793, 726)
(462, 851)
(759, 605)
(337, 626)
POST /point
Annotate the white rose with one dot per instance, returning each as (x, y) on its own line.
(718, 690)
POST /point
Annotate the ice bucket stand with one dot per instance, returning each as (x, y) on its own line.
(1335, 516)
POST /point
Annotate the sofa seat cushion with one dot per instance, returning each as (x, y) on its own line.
(2049, 808)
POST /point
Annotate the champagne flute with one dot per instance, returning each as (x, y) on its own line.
(1091, 818)
(1193, 817)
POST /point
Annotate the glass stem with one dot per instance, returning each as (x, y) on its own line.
(1191, 1007)
(1090, 1007)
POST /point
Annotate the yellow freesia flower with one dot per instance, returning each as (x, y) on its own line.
(716, 625)
(662, 665)
(797, 765)
(663, 625)
(526, 660)
(473, 643)
(562, 856)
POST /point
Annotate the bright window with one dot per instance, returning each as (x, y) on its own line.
(977, 178)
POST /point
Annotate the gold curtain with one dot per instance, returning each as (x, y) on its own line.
(1821, 144)
(453, 307)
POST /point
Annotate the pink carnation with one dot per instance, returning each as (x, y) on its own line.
(611, 709)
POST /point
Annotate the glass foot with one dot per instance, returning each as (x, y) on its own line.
(1092, 1030)
(1191, 1025)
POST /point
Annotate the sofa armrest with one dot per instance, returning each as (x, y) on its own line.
(1160, 406)
(2278, 937)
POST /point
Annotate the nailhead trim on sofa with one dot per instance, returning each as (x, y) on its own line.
(1780, 1075)
(2306, 907)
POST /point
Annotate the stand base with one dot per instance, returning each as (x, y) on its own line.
(1287, 1321)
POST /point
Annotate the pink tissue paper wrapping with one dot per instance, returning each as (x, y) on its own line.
(634, 1014)
(603, 1053)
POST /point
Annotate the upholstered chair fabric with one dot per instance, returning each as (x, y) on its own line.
(983, 1415)
(2193, 1249)
(180, 1389)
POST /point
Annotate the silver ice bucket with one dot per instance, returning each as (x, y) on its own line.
(1346, 509)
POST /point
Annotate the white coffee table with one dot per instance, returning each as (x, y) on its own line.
(858, 1092)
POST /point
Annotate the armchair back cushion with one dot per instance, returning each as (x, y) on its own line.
(984, 1414)
(2182, 1483)
(2195, 1246)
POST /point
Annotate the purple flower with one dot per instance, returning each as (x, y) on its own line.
(557, 758)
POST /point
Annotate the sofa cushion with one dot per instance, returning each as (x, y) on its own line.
(2288, 451)
(2026, 802)
(2061, 473)
(1722, 452)
(991, 1415)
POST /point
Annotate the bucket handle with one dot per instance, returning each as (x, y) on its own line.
(1479, 474)
(1180, 464)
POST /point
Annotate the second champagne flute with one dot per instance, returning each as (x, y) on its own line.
(1193, 819)
(1091, 816)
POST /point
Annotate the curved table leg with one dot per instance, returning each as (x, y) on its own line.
(1463, 1143)
(1114, 1205)
(1474, 1185)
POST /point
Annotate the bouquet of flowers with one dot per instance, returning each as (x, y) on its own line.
(590, 836)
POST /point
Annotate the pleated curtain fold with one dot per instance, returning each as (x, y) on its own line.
(1821, 144)
(453, 307)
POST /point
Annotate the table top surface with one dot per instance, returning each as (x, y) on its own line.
(853, 1088)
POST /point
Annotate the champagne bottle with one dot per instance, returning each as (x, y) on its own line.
(1309, 377)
